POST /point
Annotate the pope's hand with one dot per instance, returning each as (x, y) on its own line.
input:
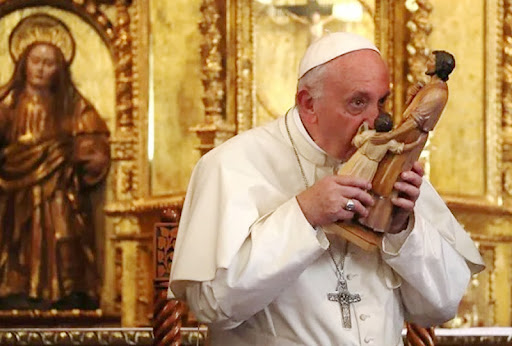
(409, 191)
(324, 202)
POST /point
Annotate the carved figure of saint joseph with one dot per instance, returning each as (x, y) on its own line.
(53, 150)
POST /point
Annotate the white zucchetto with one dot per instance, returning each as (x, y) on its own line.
(331, 46)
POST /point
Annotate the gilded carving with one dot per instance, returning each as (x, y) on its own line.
(126, 226)
(212, 61)
(419, 29)
(144, 281)
(99, 336)
(124, 73)
(123, 150)
(125, 179)
(118, 265)
(507, 97)
(507, 74)
(215, 129)
(245, 96)
(507, 171)
(494, 101)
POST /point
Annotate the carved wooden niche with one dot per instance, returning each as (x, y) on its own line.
(93, 38)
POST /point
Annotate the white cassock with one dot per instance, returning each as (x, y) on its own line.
(251, 266)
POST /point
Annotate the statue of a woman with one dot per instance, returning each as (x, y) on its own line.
(53, 149)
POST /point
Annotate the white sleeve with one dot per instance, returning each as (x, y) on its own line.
(434, 275)
(279, 247)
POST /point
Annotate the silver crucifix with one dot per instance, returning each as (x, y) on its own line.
(344, 298)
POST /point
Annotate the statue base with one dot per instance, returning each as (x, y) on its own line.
(358, 235)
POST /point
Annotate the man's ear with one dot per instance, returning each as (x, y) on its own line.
(306, 104)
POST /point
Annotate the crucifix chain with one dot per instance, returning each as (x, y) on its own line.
(342, 294)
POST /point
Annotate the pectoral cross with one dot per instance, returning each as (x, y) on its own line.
(344, 298)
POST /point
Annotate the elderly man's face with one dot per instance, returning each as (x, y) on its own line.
(355, 89)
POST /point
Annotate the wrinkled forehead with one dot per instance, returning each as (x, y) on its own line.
(361, 63)
(362, 71)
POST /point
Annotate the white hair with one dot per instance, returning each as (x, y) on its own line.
(313, 81)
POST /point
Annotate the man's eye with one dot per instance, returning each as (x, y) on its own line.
(358, 102)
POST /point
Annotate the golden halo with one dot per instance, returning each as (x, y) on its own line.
(41, 28)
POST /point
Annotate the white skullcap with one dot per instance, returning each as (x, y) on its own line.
(331, 46)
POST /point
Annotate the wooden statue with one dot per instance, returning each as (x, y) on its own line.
(396, 150)
(372, 146)
(53, 149)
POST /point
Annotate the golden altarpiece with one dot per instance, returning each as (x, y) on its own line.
(174, 78)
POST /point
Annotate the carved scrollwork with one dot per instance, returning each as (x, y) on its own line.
(100, 336)
(214, 130)
(213, 69)
(144, 276)
(507, 97)
(419, 29)
(123, 150)
(507, 68)
(245, 68)
(124, 68)
(507, 177)
(125, 181)
(168, 315)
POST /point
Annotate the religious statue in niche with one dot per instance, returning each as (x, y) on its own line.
(315, 16)
(424, 109)
(54, 150)
(315, 22)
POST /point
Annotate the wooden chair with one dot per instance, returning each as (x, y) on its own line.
(174, 325)
(168, 315)
(419, 336)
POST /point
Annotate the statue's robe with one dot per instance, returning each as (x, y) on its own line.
(365, 161)
(47, 235)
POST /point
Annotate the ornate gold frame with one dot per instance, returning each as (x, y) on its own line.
(128, 262)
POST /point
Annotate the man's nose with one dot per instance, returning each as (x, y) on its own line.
(370, 119)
